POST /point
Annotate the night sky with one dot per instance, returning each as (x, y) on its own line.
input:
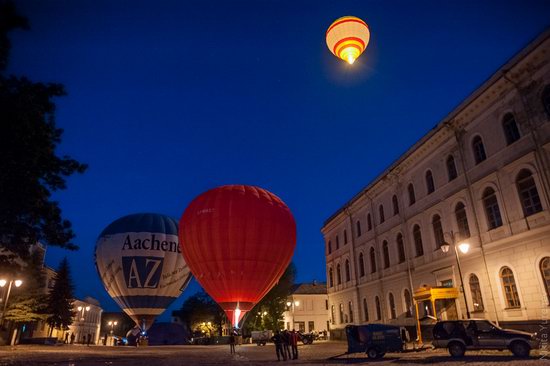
(167, 99)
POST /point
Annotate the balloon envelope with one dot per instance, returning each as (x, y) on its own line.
(238, 241)
(139, 262)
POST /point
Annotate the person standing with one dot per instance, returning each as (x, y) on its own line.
(285, 335)
(232, 340)
(294, 344)
(278, 340)
(72, 338)
(66, 338)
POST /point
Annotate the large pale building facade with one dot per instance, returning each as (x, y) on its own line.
(481, 176)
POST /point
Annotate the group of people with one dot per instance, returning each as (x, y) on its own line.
(85, 339)
(286, 345)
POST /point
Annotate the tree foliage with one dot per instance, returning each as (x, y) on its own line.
(201, 308)
(30, 169)
(61, 297)
(268, 313)
(28, 302)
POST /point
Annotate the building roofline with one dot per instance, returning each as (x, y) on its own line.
(513, 61)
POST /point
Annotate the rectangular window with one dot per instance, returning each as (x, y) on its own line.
(310, 326)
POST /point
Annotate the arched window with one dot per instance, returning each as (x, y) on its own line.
(329, 247)
(365, 310)
(395, 205)
(400, 248)
(391, 300)
(509, 286)
(369, 222)
(381, 213)
(358, 228)
(337, 242)
(412, 198)
(438, 231)
(378, 309)
(386, 252)
(462, 221)
(417, 236)
(408, 303)
(478, 149)
(510, 127)
(348, 277)
(492, 211)
(338, 274)
(332, 317)
(475, 290)
(528, 194)
(361, 265)
(372, 260)
(451, 168)
(345, 236)
(330, 277)
(350, 309)
(546, 100)
(430, 185)
(341, 313)
(545, 273)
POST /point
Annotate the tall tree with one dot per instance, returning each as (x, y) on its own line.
(201, 308)
(30, 169)
(268, 313)
(60, 299)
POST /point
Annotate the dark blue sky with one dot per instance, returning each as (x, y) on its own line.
(167, 99)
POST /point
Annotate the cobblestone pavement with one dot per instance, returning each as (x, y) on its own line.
(320, 353)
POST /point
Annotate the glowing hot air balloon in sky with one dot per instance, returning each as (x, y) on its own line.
(238, 241)
(139, 261)
(347, 38)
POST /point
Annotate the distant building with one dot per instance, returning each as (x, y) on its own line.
(481, 176)
(307, 308)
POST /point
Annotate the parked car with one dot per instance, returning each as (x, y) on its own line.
(474, 334)
(261, 337)
(374, 339)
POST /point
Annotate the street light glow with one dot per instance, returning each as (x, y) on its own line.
(288, 303)
(297, 303)
(464, 247)
(79, 308)
(3, 283)
(18, 283)
(110, 323)
(87, 308)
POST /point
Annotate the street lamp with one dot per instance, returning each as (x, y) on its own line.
(291, 305)
(82, 310)
(3, 283)
(464, 248)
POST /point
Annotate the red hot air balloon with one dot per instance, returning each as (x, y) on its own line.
(238, 241)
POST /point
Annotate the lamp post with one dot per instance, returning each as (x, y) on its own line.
(464, 248)
(82, 310)
(291, 305)
(3, 283)
(112, 324)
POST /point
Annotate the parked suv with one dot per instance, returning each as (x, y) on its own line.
(461, 335)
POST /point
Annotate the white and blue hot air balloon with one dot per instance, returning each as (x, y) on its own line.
(139, 261)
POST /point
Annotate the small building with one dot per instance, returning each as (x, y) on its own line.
(307, 308)
(87, 320)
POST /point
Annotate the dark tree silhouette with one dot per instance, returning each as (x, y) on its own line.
(30, 169)
(60, 299)
(201, 308)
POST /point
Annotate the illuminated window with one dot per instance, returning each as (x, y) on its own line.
(510, 127)
(528, 194)
(510, 289)
(333, 321)
(430, 185)
(341, 313)
(462, 221)
(417, 236)
(400, 248)
(478, 150)
(475, 290)
(492, 211)
(451, 168)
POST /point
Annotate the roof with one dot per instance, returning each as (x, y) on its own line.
(473, 96)
(315, 288)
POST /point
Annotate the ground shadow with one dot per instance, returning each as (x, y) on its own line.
(465, 359)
